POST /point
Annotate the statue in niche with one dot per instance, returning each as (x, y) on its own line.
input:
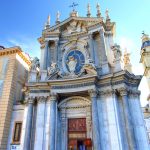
(72, 64)
(52, 69)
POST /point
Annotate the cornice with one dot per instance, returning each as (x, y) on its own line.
(91, 19)
(15, 50)
(24, 58)
(9, 51)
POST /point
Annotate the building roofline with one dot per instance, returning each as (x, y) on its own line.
(15, 50)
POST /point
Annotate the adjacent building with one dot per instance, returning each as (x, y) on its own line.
(14, 65)
(145, 60)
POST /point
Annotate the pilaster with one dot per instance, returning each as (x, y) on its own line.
(47, 125)
(56, 51)
(44, 54)
(140, 134)
(53, 111)
(40, 122)
(103, 121)
(91, 47)
(104, 61)
(27, 138)
(95, 120)
(113, 120)
(64, 129)
(127, 119)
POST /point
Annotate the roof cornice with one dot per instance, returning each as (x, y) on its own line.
(15, 50)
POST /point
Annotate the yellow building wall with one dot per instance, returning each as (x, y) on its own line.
(7, 98)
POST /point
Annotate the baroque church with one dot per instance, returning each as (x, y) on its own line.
(78, 96)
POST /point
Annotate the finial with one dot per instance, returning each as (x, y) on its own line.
(88, 10)
(58, 17)
(98, 10)
(107, 14)
(48, 20)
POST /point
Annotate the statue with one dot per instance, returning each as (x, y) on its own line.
(52, 69)
(90, 68)
(35, 64)
(72, 64)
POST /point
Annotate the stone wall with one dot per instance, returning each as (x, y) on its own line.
(6, 101)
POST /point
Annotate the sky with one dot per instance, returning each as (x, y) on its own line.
(22, 21)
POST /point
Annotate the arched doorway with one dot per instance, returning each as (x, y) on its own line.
(76, 123)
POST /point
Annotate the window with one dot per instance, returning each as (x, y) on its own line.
(17, 132)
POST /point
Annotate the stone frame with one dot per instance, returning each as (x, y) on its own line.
(70, 111)
(74, 44)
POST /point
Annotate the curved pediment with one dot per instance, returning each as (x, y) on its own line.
(74, 102)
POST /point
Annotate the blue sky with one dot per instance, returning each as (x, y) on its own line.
(22, 21)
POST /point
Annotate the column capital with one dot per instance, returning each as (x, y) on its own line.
(123, 91)
(101, 30)
(53, 96)
(29, 100)
(107, 92)
(90, 35)
(41, 99)
(92, 92)
(56, 41)
(135, 93)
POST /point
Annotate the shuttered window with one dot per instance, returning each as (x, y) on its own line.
(17, 132)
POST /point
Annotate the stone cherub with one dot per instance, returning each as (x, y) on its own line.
(52, 69)
(89, 67)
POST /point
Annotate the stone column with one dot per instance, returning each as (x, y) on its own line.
(40, 121)
(47, 125)
(95, 120)
(91, 47)
(27, 138)
(109, 42)
(113, 120)
(88, 122)
(63, 129)
(103, 121)
(140, 134)
(128, 120)
(53, 108)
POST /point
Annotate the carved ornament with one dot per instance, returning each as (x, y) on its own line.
(92, 93)
(41, 99)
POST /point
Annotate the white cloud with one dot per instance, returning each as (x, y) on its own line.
(28, 45)
(126, 43)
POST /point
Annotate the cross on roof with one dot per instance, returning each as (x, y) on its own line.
(73, 5)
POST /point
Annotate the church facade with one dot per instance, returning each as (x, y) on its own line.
(79, 97)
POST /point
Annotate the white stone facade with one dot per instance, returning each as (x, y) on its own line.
(94, 88)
